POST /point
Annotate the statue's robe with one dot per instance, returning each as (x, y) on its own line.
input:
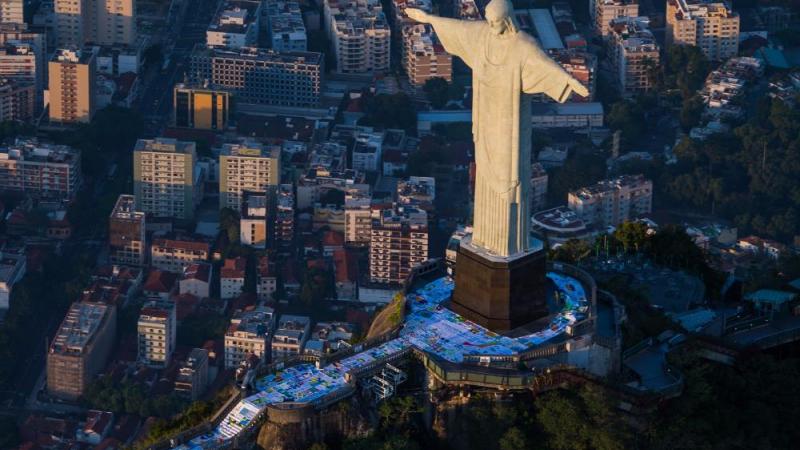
(501, 124)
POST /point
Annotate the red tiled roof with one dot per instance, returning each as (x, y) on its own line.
(264, 267)
(183, 244)
(197, 271)
(344, 265)
(333, 239)
(185, 305)
(233, 268)
(160, 281)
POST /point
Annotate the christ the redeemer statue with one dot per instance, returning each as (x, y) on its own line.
(506, 64)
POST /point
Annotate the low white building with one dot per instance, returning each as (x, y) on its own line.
(231, 278)
(267, 283)
(196, 280)
(248, 334)
(253, 223)
(12, 269)
(290, 336)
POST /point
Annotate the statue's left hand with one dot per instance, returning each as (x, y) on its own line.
(417, 14)
(578, 87)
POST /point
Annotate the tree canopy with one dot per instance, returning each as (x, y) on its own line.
(390, 111)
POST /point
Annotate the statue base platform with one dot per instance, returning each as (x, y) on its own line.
(500, 293)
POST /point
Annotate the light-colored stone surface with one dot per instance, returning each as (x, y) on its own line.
(506, 64)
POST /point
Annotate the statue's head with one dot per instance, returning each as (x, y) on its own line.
(500, 15)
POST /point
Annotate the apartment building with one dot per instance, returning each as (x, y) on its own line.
(16, 34)
(360, 35)
(201, 108)
(120, 59)
(329, 337)
(399, 242)
(419, 192)
(290, 336)
(196, 280)
(156, 329)
(582, 65)
(166, 182)
(80, 348)
(235, 24)
(466, 10)
(710, 25)
(253, 229)
(424, 56)
(267, 283)
(72, 86)
(248, 334)
(246, 165)
(231, 278)
(40, 170)
(17, 100)
(11, 11)
(103, 22)
(367, 146)
(634, 53)
(285, 27)
(607, 10)
(357, 218)
(255, 75)
(284, 216)
(126, 233)
(727, 83)
(612, 202)
(539, 181)
(174, 253)
(192, 378)
(21, 62)
(13, 266)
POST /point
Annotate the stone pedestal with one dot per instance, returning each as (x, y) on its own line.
(500, 293)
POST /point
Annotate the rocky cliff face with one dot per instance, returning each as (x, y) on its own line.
(339, 422)
(446, 423)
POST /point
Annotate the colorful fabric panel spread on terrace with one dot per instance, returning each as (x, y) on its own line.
(429, 327)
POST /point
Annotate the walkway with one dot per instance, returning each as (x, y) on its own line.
(429, 327)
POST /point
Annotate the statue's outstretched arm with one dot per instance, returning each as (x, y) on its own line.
(457, 36)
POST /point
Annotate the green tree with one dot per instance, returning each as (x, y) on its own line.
(691, 112)
(9, 433)
(632, 235)
(572, 251)
(627, 116)
(685, 68)
(396, 412)
(229, 224)
(513, 439)
(390, 111)
(437, 91)
(585, 420)
(318, 285)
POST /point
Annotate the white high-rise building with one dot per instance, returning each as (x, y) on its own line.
(711, 25)
(157, 331)
(103, 22)
(612, 202)
(246, 166)
(360, 35)
(165, 181)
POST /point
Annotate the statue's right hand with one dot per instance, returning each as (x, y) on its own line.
(417, 14)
